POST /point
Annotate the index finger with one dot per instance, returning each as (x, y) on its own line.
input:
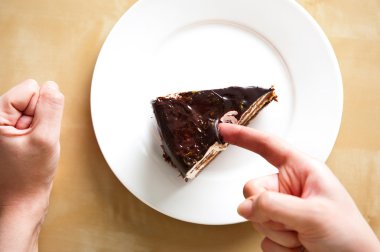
(20, 100)
(274, 150)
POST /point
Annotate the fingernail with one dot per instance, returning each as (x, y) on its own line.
(245, 208)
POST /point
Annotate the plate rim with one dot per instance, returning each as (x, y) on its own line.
(324, 40)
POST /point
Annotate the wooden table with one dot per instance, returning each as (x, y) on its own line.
(90, 210)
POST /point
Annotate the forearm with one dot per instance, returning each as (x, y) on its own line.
(368, 240)
(20, 227)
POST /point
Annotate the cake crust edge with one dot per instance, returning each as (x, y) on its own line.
(217, 147)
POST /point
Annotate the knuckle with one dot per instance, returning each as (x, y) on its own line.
(53, 97)
(32, 85)
(264, 201)
(319, 214)
(266, 141)
(324, 208)
(247, 189)
(43, 142)
(58, 98)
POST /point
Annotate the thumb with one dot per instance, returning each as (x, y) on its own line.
(292, 211)
(48, 114)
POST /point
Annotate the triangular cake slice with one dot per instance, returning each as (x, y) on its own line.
(188, 122)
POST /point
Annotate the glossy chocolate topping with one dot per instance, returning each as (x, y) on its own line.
(188, 121)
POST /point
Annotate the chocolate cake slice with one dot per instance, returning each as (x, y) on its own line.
(188, 122)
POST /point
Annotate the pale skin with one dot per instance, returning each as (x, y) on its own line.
(30, 121)
(302, 208)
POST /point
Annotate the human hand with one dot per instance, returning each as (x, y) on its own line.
(304, 206)
(30, 119)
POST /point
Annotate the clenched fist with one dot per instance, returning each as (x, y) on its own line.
(30, 121)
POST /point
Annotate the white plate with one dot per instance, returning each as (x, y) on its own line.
(160, 47)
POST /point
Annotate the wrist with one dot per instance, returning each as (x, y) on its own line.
(20, 224)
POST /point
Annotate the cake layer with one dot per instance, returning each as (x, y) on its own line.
(188, 121)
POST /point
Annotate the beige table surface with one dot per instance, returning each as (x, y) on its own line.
(90, 210)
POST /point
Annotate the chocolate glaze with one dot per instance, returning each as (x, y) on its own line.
(188, 121)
